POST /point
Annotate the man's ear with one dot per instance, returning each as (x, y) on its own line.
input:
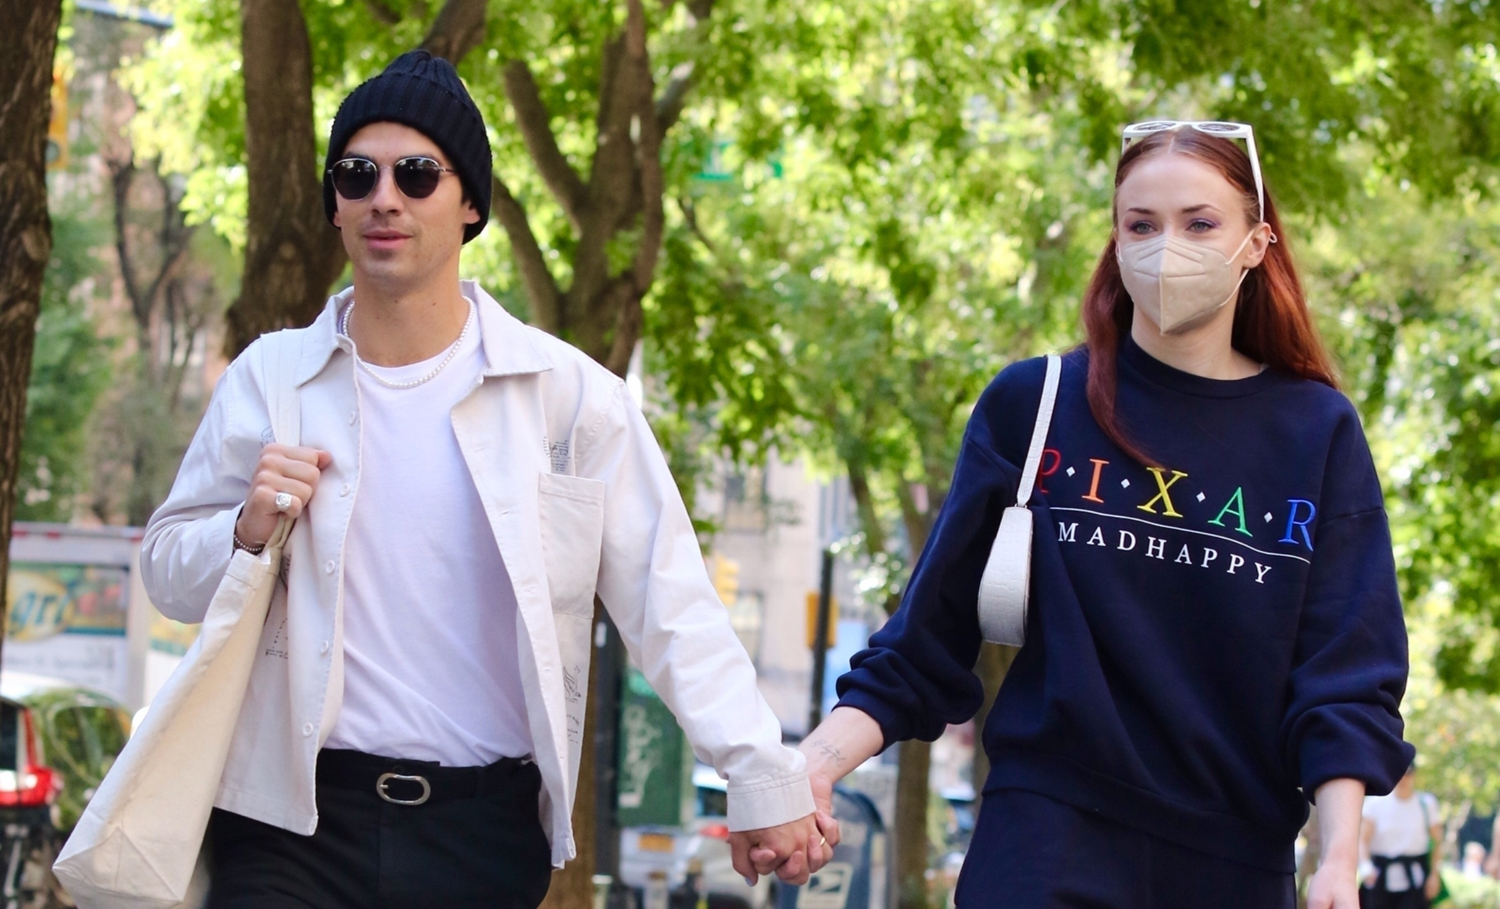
(472, 216)
(336, 218)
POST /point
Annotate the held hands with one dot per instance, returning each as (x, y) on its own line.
(793, 851)
(281, 469)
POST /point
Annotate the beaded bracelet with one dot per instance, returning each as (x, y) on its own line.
(241, 544)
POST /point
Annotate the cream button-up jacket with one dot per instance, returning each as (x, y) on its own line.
(580, 501)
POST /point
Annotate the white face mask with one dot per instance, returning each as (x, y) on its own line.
(1179, 283)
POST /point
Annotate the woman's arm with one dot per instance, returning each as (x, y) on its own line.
(1333, 884)
(843, 741)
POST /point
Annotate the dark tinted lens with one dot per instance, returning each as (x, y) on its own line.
(418, 177)
(354, 178)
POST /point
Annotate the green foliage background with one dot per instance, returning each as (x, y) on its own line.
(873, 207)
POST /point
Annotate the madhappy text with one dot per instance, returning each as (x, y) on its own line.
(1152, 547)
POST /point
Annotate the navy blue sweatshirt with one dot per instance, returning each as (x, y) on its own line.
(1208, 641)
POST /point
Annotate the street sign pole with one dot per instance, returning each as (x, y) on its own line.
(820, 640)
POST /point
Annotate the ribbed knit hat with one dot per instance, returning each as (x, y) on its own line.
(425, 93)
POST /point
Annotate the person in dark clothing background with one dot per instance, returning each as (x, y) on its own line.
(1215, 636)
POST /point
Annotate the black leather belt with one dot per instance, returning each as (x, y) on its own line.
(403, 782)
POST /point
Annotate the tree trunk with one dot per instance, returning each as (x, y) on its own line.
(292, 253)
(28, 41)
(912, 795)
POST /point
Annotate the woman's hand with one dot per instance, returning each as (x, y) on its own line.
(1333, 887)
(281, 468)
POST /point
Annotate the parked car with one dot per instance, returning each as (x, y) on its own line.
(57, 740)
(672, 849)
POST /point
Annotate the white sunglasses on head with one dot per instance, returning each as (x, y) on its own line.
(1221, 128)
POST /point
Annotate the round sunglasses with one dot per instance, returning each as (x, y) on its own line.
(417, 176)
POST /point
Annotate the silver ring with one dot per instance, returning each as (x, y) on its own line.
(283, 501)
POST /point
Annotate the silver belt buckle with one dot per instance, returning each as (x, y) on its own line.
(387, 777)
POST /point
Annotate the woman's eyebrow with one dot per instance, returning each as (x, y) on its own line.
(1191, 209)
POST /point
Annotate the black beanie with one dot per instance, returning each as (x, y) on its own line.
(423, 92)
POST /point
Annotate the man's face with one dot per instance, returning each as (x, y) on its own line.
(392, 239)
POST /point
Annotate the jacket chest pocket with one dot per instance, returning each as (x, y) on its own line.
(571, 513)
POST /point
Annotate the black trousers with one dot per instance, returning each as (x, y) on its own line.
(483, 851)
(1031, 852)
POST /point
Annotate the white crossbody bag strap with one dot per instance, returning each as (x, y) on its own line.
(1006, 585)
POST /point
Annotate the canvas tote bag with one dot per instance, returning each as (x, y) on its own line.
(139, 841)
(1006, 585)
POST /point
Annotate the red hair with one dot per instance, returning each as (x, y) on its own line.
(1271, 321)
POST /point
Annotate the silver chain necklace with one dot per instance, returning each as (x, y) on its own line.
(452, 351)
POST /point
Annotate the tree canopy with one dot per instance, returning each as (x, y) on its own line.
(838, 221)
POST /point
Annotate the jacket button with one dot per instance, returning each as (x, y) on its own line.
(353, 415)
(323, 649)
(307, 728)
(329, 566)
(345, 490)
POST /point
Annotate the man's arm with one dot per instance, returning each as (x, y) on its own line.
(653, 582)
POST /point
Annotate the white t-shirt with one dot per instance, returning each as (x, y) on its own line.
(1401, 828)
(430, 640)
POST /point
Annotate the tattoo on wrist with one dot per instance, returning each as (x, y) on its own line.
(829, 751)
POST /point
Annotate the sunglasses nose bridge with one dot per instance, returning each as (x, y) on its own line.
(385, 194)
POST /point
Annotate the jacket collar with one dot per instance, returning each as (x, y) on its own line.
(508, 346)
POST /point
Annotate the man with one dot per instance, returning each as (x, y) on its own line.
(463, 487)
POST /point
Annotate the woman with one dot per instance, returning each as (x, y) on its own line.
(1214, 635)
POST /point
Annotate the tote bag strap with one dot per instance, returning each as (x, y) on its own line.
(1039, 432)
(282, 398)
(284, 401)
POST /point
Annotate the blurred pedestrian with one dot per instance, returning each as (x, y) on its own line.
(1214, 634)
(1401, 848)
(463, 487)
(1474, 860)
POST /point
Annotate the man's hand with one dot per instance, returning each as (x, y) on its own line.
(282, 468)
(793, 850)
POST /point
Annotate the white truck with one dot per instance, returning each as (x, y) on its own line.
(76, 611)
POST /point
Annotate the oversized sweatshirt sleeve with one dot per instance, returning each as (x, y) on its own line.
(189, 540)
(917, 675)
(1350, 662)
(653, 582)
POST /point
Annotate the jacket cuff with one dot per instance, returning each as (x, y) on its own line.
(769, 803)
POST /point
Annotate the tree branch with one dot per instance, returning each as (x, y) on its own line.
(535, 123)
(541, 288)
(674, 98)
(382, 12)
(648, 163)
(458, 29)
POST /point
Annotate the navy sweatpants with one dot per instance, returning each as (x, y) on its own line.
(1031, 852)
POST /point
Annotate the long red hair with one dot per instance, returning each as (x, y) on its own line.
(1271, 321)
